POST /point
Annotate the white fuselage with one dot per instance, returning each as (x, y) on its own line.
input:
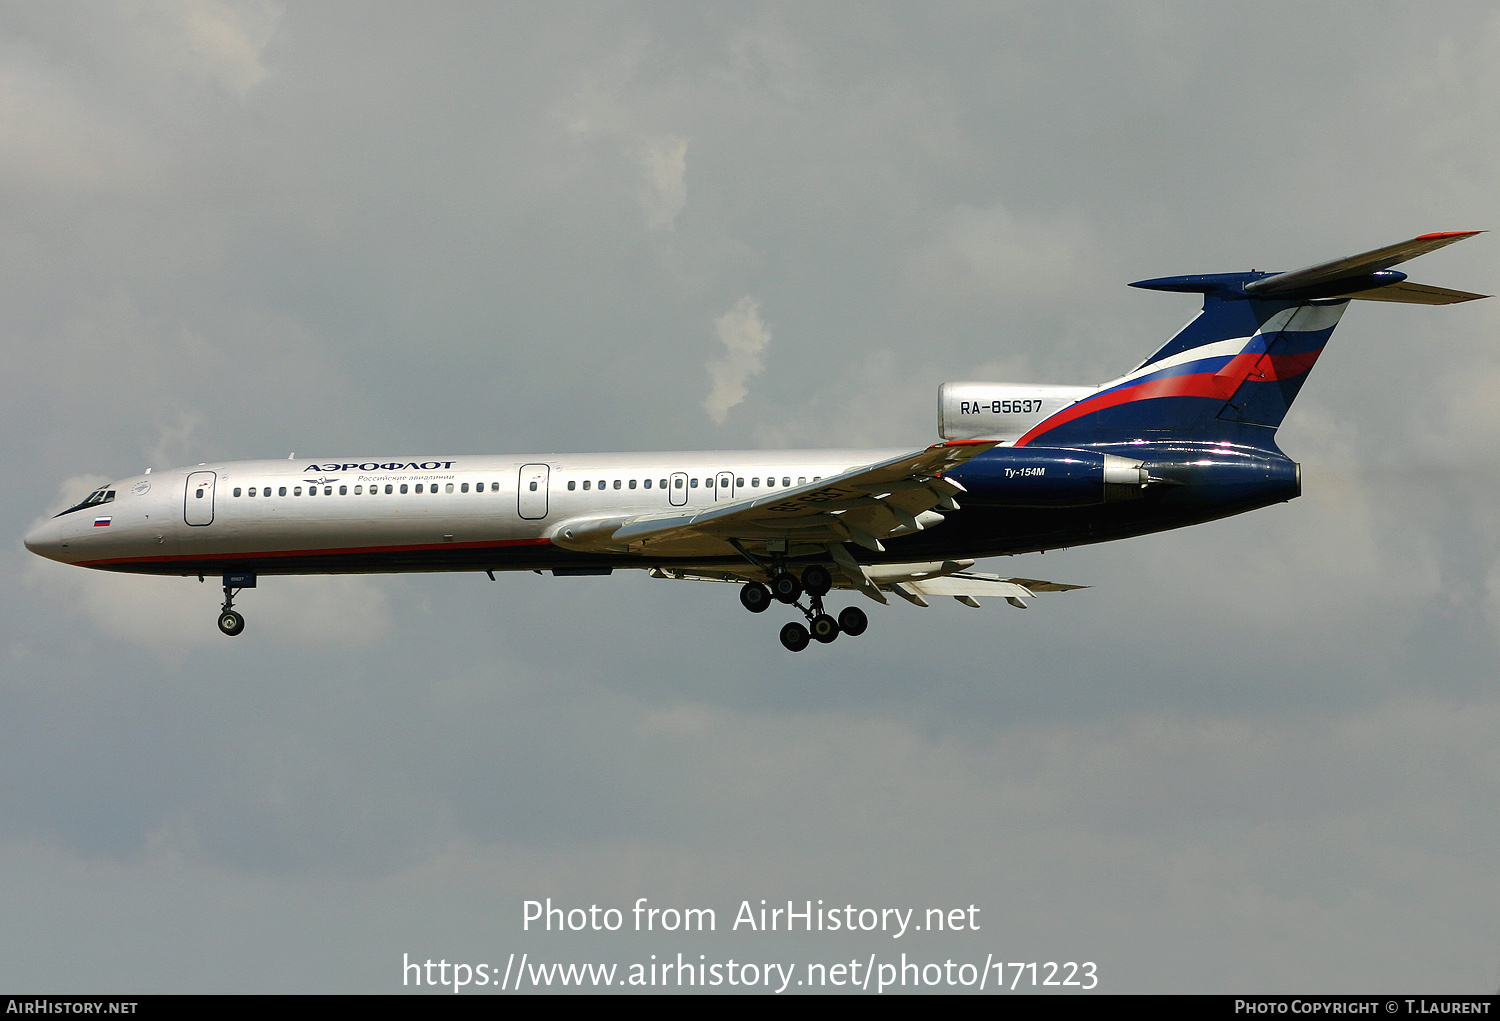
(322, 515)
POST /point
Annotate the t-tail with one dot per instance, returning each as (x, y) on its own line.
(1190, 433)
(1229, 376)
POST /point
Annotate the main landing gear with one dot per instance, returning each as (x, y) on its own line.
(786, 587)
(230, 622)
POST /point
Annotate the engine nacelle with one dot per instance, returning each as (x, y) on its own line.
(1048, 477)
(1000, 411)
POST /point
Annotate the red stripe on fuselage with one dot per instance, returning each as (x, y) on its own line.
(340, 551)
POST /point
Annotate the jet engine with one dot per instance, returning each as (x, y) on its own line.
(1048, 477)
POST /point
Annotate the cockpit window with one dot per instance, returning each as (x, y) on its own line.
(95, 498)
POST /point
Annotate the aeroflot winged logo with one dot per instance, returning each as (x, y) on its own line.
(391, 466)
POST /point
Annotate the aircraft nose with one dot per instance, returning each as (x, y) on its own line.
(44, 540)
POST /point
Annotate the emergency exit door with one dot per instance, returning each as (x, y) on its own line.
(532, 498)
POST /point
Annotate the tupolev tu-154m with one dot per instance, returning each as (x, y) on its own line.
(1187, 436)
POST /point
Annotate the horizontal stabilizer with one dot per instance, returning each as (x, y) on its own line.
(1416, 294)
(1363, 265)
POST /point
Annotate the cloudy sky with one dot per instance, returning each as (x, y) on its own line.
(1257, 755)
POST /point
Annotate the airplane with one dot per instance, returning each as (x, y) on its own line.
(1187, 436)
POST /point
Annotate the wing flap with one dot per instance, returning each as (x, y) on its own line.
(968, 588)
(912, 582)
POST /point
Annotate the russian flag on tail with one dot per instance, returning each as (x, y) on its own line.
(1232, 373)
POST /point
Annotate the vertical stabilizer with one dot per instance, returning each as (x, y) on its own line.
(1232, 373)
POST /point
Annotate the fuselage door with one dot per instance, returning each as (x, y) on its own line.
(677, 495)
(532, 502)
(198, 501)
(724, 490)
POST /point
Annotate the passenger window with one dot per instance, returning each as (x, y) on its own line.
(449, 488)
(708, 483)
(617, 484)
(327, 490)
(755, 483)
(419, 487)
(281, 491)
(388, 489)
(403, 487)
(494, 487)
(200, 494)
(801, 480)
(586, 483)
(648, 483)
(601, 483)
(572, 485)
(359, 490)
(297, 491)
(464, 488)
(343, 491)
(632, 483)
(236, 490)
(692, 484)
(739, 482)
(786, 482)
(677, 483)
(664, 484)
(533, 487)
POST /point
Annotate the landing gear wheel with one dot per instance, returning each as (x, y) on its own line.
(794, 636)
(824, 628)
(755, 597)
(786, 587)
(852, 620)
(231, 623)
(817, 581)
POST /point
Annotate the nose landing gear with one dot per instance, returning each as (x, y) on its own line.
(231, 622)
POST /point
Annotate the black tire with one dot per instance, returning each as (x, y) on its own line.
(231, 623)
(794, 637)
(817, 581)
(824, 628)
(755, 597)
(786, 587)
(852, 620)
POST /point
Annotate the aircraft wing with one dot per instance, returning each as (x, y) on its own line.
(863, 505)
(912, 582)
(969, 588)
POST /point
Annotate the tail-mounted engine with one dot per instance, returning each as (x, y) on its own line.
(1000, 411)
(1048, 477)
